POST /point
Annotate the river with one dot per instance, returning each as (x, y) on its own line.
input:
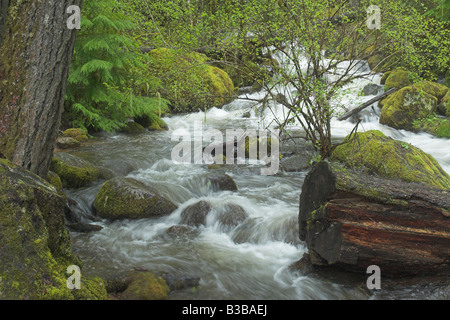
(247, 262)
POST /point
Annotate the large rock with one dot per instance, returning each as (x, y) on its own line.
(35, 248)
(146, 286)
(397, 78)
(402, 108)
(352, 220)
(75, 172)
(127, 198)
(386, 157)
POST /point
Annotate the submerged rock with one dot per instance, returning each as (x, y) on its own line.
(232, 215)
(195, 214)
(386, 157)
(221, 182)
(372, 89)
(35, 246)
(127, 198)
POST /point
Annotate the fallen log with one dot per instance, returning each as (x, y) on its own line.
(366, 104)
(351, 220)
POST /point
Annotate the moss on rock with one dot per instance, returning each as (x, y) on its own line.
(78, 134)
(387, 157)
(35, 246)
(405, 106)
(132, 128)
(398, 78)
(444, 105)
(146, 286)
(189, 82)
(127, 198)
(74, 171)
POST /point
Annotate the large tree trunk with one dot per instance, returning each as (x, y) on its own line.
(352, 220)
(4, 4)
(35, 59)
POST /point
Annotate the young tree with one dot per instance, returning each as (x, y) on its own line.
(320, 48)
(35, 58)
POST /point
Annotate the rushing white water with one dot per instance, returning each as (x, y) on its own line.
(249, 261)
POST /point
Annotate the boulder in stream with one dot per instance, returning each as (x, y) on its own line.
(128, 198)
(75, 172)
(195, 214)
(221, 182)
(383, 156)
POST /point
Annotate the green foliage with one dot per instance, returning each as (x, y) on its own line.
(108, 74)
(189, 81)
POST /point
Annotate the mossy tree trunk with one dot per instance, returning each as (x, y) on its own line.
(35, 58)
(4, 4)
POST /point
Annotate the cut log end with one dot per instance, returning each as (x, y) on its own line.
(352, 220)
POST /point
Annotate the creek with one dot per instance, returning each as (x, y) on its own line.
(251, 260)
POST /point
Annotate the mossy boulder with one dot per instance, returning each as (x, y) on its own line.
(444, 105)
(78, 134)
(35, 246)
(55, 180)
(189, 81)
(158, 125)
(74, 171)
(128, 198)
(386, 157)
(432, 88)
(132, 127)
(402, 108)
(397, 78)
(146, 286)
(437, 126)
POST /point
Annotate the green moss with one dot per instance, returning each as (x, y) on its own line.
(74, 172)
(405, 106)
(189, 82)
(146, 286)
(127, 198)
(386, 157)
(132, 128)
(398, 78)
(443, 131)
(158, 124)
(35, 246)
(55, 180)
(444, 105)
(433, 88)
(78, 134)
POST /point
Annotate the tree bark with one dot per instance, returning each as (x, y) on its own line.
(4, 4)
(352, 220)
(35, 59)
